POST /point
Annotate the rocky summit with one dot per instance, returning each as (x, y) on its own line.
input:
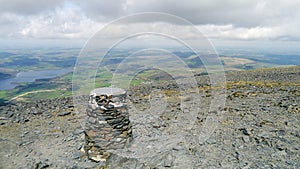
(258, 127)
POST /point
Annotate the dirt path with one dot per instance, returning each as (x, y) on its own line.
(21, 95)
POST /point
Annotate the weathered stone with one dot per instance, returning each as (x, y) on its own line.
(115, 121)
(108, 119)
(246, 131)
(168, 162)
(246, 139)
(92, 133)
(63, 113)
(102, 122)
(92, 120)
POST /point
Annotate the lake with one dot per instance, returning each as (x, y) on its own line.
(31, 76)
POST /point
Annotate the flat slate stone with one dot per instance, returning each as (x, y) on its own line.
(63, 113)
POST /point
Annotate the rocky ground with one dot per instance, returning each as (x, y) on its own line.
(258, 128)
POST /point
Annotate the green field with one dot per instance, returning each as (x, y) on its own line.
(14, 61)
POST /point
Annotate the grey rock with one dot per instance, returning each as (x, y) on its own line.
(246, 131)
(211, 141)
(168, 162)
(246, 139)
(63, 113)
(41, 165)
(270, 138)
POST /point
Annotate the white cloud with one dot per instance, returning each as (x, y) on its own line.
(66, 23)
(231, 32)
(28, 7)
(218, 19)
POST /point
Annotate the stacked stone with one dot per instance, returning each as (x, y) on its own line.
(108, 126)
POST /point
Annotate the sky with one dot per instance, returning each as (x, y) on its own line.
(224, 22)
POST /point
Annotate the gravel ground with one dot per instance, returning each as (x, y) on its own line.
(258, 128)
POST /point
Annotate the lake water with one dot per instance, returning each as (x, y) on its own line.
(31, 76)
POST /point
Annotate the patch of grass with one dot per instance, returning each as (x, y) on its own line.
(48, 95)
(3, 97)
(103, 78)
(67, 77)
(136, 82)
(260, 84)
(3, 94)
(102, 84)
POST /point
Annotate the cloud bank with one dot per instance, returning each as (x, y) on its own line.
(217, 19)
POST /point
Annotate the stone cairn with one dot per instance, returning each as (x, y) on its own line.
(108, 126)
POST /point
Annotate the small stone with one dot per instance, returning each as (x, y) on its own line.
(246, 131)
(119, 139)
(92, 133)
(77, 155)
(168, 161)
(287, 123)
(246, 139)
(78, 131)
(102, 122)
(37, 113)
(100, 158)
(289, 162)
(280, 147)
(280, 132)
(63, 113)
(41, 165)
(279, 154)
(79, 147)
(82, 150)
(238, 156)
(92, 120)
(186, 99)
(211, 141)
(115, 121)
